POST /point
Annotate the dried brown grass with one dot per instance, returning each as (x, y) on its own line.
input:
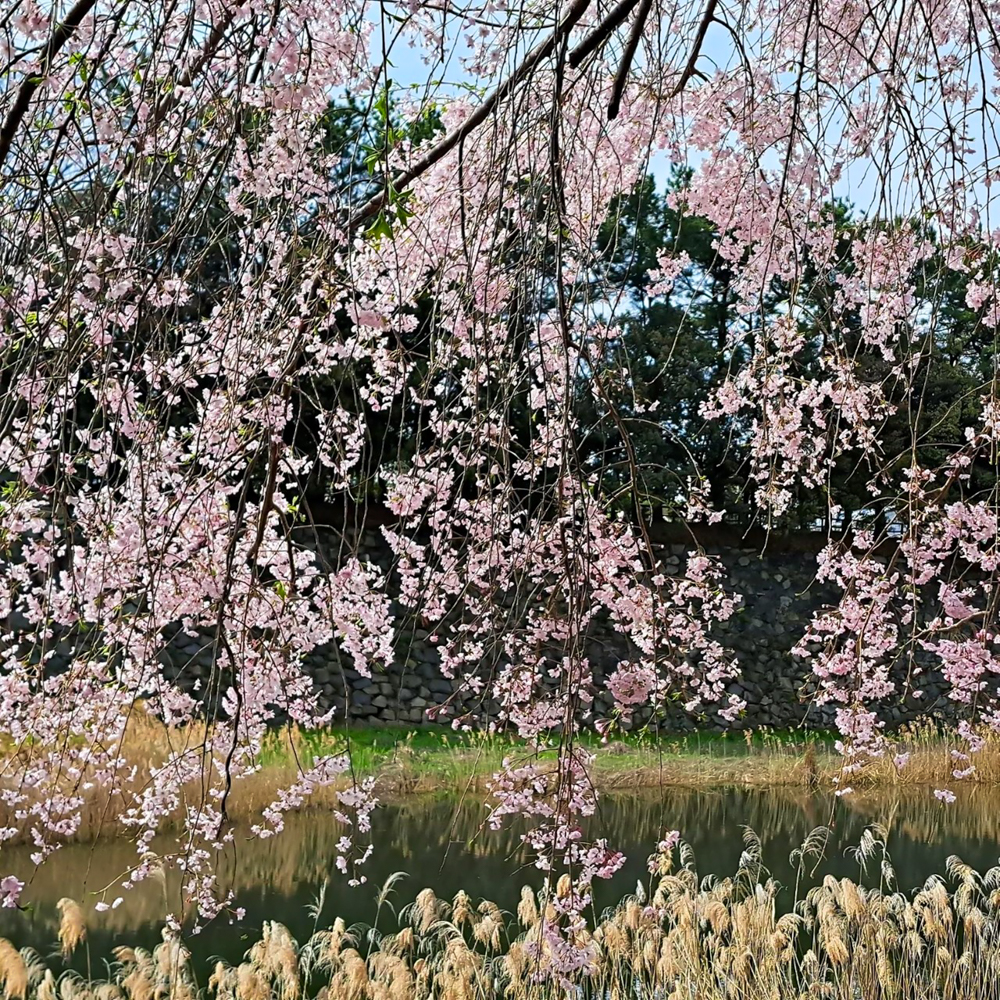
(72, 925)
(13, 972)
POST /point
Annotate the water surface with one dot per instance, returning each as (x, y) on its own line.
(444, 844)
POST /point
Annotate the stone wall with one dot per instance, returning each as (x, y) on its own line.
(779, 597)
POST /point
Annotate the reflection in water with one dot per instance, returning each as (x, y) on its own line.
(444, 844)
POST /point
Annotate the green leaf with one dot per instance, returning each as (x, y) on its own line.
(382, 226)
(382, 105)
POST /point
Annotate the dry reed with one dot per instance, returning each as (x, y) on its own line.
(72, 925)
(13, 972)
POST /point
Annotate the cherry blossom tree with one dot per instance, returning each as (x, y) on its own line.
(205, 311)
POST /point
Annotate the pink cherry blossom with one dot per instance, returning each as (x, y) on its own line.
(10, 891)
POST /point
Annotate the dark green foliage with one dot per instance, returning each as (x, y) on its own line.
(672, 352)
(676, 349)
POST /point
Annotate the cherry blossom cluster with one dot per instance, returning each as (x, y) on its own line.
(202, 315)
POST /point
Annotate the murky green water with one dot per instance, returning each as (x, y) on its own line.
(443, 844)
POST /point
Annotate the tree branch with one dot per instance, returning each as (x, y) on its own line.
(449, 142)
(32, 82)
(621, 78)
(690, 69)
(602, 32)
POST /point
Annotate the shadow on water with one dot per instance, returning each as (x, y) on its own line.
(444, 844)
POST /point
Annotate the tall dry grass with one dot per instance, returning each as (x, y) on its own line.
(72, 925)
(683, 938)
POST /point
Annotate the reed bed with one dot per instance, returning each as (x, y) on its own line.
(683, 937)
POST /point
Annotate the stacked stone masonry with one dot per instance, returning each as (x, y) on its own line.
(779, 596)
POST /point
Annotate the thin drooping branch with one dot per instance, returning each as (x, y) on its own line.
(170, 101)
(449, 142)
(32, 82)
(527, 66)
(215, 39)
(603, 31)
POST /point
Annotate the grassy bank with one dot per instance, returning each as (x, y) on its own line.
(412, 761)
(429, 760)
(407, 762)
